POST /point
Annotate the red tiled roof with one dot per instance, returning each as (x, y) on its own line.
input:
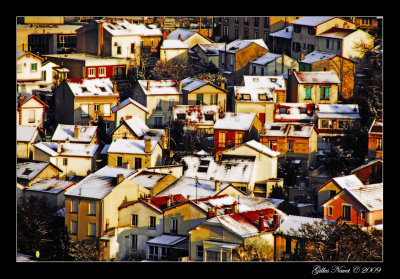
(161, 202)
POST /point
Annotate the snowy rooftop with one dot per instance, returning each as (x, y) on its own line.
(273, 82)
(29, 170)
(266, 58)
(376, 127)
(312, 20)
(126, 102)
(53, 186)
(300, 130)
(212, 48)
(348, 181)
(137, 125)
(130, 146)
(317, 56)
(68, 149)
(285, 33)
(337, 111)
(294, 222)
(97, 185)
(261, 148)
(248, 94)
(125, 28)
(190, 84)
(188, 186)
(64, 132)
(275, 129)
(92, 87)
(293, 112)
(242, 44)
(25, 133)
(183, 33)
(166, 239)
(173, 44)
(235, 121)
(317, 77)
(367, 164)
(160, 87)
(146, 178)
(195, 115)
(227, 169)
(371, 196)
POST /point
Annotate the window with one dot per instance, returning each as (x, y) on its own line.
(231, 58)
(236, 33)
(332, 193)
(132, 47)
(92, 229)
(199, 99)
(119, 161)
(170, 104)
(246, 97)
(379, 144)
(246, 33)
(31, 116)
(200, 251)
(324, 93)
(311, 31)
(164, 253)
(74, 227)
(44, 75)
(107, 109)
(262, 97)
(296, 46)
(174, 228)
(303, 110)
(330, 210)
(133, 241)
(102, 72)
(221, 139)
(158, 121)
(238, 139)
(226, 30)
(290, 145)
(33, 67)
(246, 20)
(65, 161)
(159, 104)
(153, 252)
(152, 224)
(134, 219)
(84, 110)
(181, 116)
(362, 215)
(84, 89)
(327, 43)
(74, 206)
(19, 68)
(214, 99)
(91, 72)
(324, 123)
(92, 208)
(271, 144)
(310, 48)
(118, 50)
(138, 163)
(296, 29)
(339, 43)
(308, 93)
(342, 124)
(288, 245)
(346, 212)
(283, 110)
(209, 116)
(97, 108)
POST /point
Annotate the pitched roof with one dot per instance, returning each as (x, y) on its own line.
(196, 115)
(235, 121)
(266, 58)
(240, 44)
(285, 33)
(293, 112)
(52, 186)
(337, 111)
(68, 149)
(26, 133)
(294, 222)
(29, 170)
(125, 28)
(147, 179)
(317, 77)
(367, 164)
(344, 182)
(98, 184)
(64, 132)
(173, 44)
(126, 102)
(130, 146)
(312, 20)
(184, 34)
(160, 87)
(370, 196)
(261, 148)
(91, 87)
(167, 240)
(137, 125)
(376, 127)
(317, 56)
(277, 129)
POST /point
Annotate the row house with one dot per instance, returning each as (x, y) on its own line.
(325, 61)
(72, 158)
(259, 94)
(272, 64)
(209, 52)
(174, 50)
(190, 38)
(333, 121)
(117, 38)
(84, 102)
(318, 87)
(31, 111)
(235, 58)
(90, 66)
(294, 142)
(91, 206)
(133, 154)
(233, 129)
(26, 137)
(361, 206)
(307, 29)
(375, 140)
(329, 34)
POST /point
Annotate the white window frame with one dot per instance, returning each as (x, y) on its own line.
(151, 226)
(91, 72)
(136, 218)
(34, 67)
(107, 110)
(102, 71)
(174, 227)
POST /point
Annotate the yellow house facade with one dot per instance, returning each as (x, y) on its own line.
(128, 109)
(91, 206)
(30, 111)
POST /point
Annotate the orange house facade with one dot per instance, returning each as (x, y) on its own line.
(375, 140)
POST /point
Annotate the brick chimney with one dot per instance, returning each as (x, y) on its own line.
(222, 84)
(169, 201)
(147, 146)
(235, 207)
(76, 131)
(120, 177)
(261, 223)
(217, 184)
(275, 221)
(115, 87)
(301, 56)
(148, 85)
(179, 86)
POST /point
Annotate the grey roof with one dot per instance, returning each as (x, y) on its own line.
(312, 20)
(52, 186)
(64, 132)
(185, 34)
(29, 170)
(266, 58)
(25, 133)
(317, 56)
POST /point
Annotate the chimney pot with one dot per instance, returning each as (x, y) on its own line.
(223, 84)
(148, 85)
(120, 177)
(147, 146)
(261, 223)
(76, 131)
(217, 184)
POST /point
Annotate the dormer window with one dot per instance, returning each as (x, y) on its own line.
(283, 110)
(246, 96)
(84, 89)
(102, 88)
(181, 116)
(262, 97)
(303, 110)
